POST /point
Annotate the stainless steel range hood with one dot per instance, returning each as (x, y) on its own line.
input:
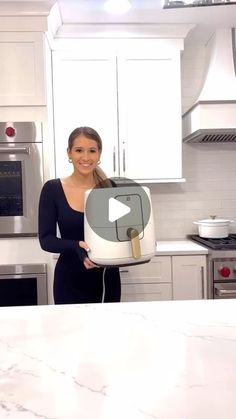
(213, 116)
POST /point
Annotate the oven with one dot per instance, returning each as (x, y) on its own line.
(221, 266)
(21, 177)
(23, 285)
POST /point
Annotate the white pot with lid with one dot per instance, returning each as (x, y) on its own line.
(214, 228)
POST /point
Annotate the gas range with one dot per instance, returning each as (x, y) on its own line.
(226, 243)
(221, 265)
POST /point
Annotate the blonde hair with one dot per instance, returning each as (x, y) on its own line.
(101, 179)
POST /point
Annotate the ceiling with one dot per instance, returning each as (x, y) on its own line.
(206, 18)
(93, 11)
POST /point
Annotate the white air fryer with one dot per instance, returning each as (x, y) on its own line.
(118, 225)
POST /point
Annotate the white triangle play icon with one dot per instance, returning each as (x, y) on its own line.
(117, 209)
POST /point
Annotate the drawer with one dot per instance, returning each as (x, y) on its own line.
(146, 292)
(157, 270)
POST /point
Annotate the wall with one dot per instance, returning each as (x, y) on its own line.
(209, 169)
(210, 189)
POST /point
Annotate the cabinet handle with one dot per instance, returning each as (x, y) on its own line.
(124, 270)
(202, 280)
(114, 160)
(124, 161)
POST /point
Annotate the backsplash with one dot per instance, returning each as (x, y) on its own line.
(209, 169)
(210, 189)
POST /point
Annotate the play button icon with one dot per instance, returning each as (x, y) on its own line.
(117, 210)
(115, 206)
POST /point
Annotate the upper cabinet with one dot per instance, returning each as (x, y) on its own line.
(22, 81)
(130, 92)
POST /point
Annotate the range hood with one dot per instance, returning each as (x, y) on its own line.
(213, 116)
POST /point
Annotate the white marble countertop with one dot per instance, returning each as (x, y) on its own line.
(27, 250)
(160, 360)
(179, 247)
(175, 247)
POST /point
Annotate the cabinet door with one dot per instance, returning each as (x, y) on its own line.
(85, 95)
(22, 80)
(147, 282)
(150, 114)
(189, 277)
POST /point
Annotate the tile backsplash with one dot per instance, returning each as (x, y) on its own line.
(210, 189)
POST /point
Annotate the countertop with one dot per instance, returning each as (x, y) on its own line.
(27, 250)
(174, 247)
(159, 360)
(179, 247)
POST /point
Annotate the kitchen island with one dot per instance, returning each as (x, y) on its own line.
(159, 360)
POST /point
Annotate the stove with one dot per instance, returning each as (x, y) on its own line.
(221, 265)
(227, 243)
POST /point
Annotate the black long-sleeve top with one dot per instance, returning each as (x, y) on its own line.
(54, 209)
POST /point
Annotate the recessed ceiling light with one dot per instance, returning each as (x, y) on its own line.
(117, 7)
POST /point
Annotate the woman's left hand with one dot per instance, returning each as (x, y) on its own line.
(89, 264)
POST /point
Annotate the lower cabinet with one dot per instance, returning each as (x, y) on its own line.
(189, 277)
(165, 278)
(147, 282)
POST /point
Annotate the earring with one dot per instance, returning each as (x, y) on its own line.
(98, 162)
(70, 160)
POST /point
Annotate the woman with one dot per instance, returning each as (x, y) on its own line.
(76, 278)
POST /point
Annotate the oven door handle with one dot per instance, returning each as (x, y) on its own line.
(16, 150)
(223, 292)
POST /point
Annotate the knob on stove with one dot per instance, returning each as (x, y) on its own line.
(224, 271)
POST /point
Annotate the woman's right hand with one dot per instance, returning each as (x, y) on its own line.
(87, 262)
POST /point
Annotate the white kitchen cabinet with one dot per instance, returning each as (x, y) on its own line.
(131, 94)
(165, 278)
(189, 277)
(147, 282)
(22, 75)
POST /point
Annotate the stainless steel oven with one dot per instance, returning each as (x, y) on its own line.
(21, 177)
(23, 284)
(222, 274)
(221, 266)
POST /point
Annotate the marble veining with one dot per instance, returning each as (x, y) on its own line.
(149, 360)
